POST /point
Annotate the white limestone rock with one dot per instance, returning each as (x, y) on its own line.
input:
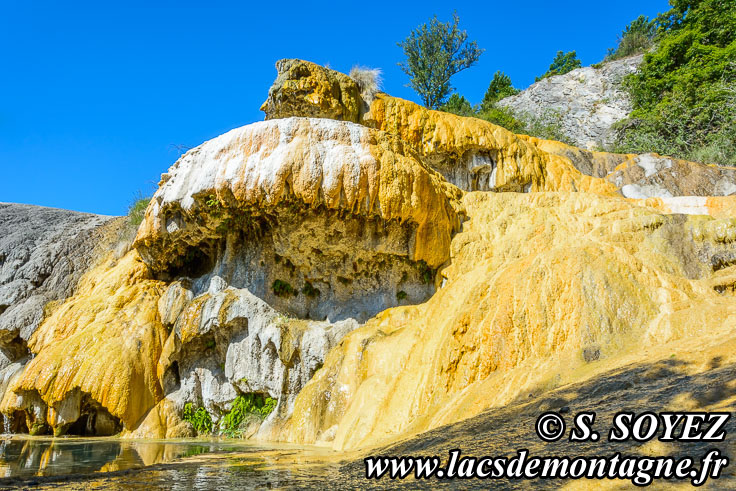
(227, 342)
(588, 101)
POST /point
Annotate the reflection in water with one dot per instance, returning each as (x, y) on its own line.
(97, 462)
(24, 457)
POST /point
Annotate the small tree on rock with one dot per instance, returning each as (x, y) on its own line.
(459, 105)
(499, 88)
(434, 53)
(563, 63)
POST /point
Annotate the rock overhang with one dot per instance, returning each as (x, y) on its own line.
(291, 165)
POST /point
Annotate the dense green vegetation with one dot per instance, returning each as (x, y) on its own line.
(636, 38)
(562, 64)
(232, 424)
(503, 117)
(199, 418)
(434, 53)
(243, 408)
(684, 94)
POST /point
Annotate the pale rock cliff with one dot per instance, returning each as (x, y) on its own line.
(43, 253)
(586, 101)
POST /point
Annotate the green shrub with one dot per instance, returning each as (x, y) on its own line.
(683, 95)
(503, 117)
(212, 202)
(499, 88)
(459, 105)
(400, 295)
(244, 406)
(547, 126)
(199, 418)
(562, 64)
(214, 205)
(310, 291)
(636, 38)
(426, 274)
(137, 210)
(283, 289)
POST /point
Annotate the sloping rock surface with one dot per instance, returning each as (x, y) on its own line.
(586, 101)
(43, 253)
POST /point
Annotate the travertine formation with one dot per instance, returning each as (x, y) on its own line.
(311, 91)
(378, 268)
(97, 350)
(649, 175)
(479, 156)
(541, 286)
(312, 163)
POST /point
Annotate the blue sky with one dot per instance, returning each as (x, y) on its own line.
(94, 97)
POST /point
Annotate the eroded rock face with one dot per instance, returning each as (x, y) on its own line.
(470, 153)
(587, 101)
(478, 156)
(320, 218)
(648, 175)
(310, 90)
(653, 176)
(96, 354)
(43, 253)
(228, 342)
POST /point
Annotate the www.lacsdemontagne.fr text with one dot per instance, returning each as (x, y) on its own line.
(641, 470)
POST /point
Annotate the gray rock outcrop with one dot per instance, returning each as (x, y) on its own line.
(227, 342)
(586, 101)
(43, 253)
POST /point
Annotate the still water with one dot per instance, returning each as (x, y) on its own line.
(104, 463)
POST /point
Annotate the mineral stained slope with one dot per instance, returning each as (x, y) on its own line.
(541, 287)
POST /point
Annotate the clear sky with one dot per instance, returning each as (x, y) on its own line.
(95, 97)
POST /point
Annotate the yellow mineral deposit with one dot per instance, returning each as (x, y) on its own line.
(340, 165)
(540, 285)
(103, 342)
(521, 165)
